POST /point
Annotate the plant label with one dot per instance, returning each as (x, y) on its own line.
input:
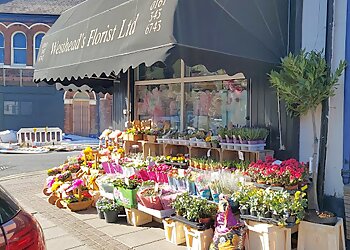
(241, 155)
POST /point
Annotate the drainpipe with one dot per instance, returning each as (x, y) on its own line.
(346, 131)
(325, 107)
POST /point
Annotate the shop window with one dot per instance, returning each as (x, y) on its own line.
(2, 48)
(19, 49)
(214, 104)
(37, 41)
(201, 70)
(159, 71)
(11, 108)
(160, 103)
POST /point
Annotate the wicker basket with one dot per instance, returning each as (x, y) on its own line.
(80, 205)
(52, 199)
(46, 191)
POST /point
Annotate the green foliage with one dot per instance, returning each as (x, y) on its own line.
(304, 81)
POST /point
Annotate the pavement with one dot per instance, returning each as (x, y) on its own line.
(81, 230)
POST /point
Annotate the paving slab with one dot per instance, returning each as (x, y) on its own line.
(96, 222)
(141, 237)
(54, 232)
(120, 229)
(81, 248)
(63, 243)
(45, 223)
(89, 214)
(162, 244)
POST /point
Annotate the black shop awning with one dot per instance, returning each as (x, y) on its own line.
(105, 37)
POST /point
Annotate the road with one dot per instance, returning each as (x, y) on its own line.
(13, 164)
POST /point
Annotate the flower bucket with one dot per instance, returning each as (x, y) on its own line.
(171, 182)
(101, 215)
(126, 197)
(215, 197)
(180, 184)
(111, 216)
(191, 187)
(205, 193)
(152, 202)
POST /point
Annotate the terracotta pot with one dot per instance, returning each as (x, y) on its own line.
(205, 220)
(292, 187)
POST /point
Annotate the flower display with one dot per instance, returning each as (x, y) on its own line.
(286, 173)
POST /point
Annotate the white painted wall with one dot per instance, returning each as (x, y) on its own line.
(314, 38)
(333, 180)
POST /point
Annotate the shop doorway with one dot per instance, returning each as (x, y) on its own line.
(81, 114)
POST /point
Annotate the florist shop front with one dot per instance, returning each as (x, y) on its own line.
(189, 80)
(200, 64)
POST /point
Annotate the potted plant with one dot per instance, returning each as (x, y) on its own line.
(111, 211)
(222, 134)
(304, 82)
(100, 207)
(125, 191)
(207, 211)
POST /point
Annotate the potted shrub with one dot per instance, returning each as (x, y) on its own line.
(181, 203)
(111, 211)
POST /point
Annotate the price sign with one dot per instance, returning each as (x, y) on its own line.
(241, 155)
(208, 153)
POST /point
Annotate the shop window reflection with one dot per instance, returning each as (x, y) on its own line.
(214, 104)
(160, 103)
(159, 71)
(201, 70)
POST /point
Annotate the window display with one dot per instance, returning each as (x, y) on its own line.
(214, 104)
(160, 103)
(201, 70)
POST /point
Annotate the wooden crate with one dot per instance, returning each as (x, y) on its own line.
(198, 240)
(262, 236)
(170, 149)
(152, 149)
(198, 152)
(137, 218)
(252, 156)
(321, 237)
(174, 231)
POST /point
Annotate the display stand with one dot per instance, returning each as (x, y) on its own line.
(321, 237)
(198, 240)
(136, 217)
(263, 236)
(174, 231)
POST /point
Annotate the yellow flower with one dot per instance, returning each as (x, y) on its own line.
(304, 188)
(56, 185)
(297, 195)
(208, 139)
(88, 150)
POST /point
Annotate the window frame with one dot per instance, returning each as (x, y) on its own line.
(185, 80)
(2, 34)
(34, 45)
(13, 49)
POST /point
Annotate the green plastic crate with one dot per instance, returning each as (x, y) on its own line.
(126, 197)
